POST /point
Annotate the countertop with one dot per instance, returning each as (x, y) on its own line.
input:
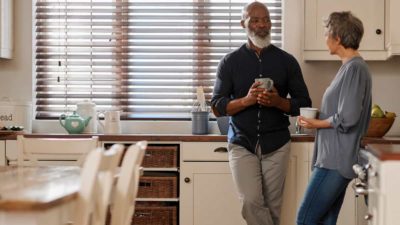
(148, 137)
(185, 137)
(385, 148)
(384, 152)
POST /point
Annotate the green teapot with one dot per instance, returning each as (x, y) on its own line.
(74, 123)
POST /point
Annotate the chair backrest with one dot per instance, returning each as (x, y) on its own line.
(61, 151)
(97, 180)
(123, 205)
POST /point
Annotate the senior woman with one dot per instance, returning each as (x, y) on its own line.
(343, 119)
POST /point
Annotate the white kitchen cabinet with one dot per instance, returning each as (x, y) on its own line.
(371, 13)
(208, 196)
(353, 208)
(11, 152)
(12, 156)
(296, 181)
(207, 193)
(6, 29)
(383, 186)
(3, 153)
(348, 213)
(392, 35)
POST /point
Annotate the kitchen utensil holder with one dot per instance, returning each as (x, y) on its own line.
(200, 122)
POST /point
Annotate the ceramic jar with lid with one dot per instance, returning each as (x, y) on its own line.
(87, 109)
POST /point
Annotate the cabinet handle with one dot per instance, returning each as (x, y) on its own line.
(360, 188)
(378, 31)
(221, 150)
(368, 217)
(187, 180)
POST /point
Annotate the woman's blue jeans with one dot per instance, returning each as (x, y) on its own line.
(323, 198)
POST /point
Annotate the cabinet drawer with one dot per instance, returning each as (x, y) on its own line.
(204, 151)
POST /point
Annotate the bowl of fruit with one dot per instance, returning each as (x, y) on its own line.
(380, 122)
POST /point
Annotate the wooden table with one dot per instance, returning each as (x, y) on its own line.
(37, 195)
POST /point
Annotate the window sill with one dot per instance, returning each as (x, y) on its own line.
(130, 127)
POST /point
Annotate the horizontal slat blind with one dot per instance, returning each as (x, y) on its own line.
(143, 57)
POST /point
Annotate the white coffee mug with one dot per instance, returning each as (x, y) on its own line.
(266, 83)
(308, 112)
(111, 123)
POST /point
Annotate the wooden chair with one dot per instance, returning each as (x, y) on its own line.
(53, 151)
(123, 205)
(97, 181)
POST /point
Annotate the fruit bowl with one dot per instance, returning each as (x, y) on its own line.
(379, 126)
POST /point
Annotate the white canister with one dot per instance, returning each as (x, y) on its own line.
(112, 123)
(87, 109)
(16, 113)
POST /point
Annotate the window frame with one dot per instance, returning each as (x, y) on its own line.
(187, 117)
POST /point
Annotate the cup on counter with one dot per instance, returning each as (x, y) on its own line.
(112, 122)
(266, 83)
(308, 112)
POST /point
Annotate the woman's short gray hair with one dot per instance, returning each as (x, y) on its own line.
(347, 27)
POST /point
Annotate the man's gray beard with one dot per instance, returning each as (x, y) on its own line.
(259, 42)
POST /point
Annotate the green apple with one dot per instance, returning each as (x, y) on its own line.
(377, 112)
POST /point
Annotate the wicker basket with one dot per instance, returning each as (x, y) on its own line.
(161, 157)
(158, 187)
(379, 126)
(154, 215)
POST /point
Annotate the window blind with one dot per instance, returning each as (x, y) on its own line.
(143, 57)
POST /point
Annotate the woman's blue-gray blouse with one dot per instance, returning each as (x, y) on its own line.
(347, 105)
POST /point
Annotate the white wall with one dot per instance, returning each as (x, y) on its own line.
(16, 74)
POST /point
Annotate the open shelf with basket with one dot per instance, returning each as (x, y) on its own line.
(157, 202)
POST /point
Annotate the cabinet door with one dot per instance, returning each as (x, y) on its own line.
(370, 12)
(347, 215)
(2, 153)
(11, 152)
(352, 207)
(6, 29)
(392, 26)
(296, 181)
(12, 156)
(208, 196)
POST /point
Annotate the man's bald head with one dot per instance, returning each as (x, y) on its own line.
(250, 6)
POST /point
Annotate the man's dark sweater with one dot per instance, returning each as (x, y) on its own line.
(267, 126)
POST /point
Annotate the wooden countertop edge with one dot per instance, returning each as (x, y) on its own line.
(383, 151)
(186, 137)
(383, 140)
(21, 206)
(150, 137)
